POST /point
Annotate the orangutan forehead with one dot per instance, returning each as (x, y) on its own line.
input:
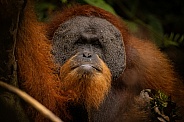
(92, 24)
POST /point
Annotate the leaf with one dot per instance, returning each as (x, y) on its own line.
(64, 1)
(101, 4)
(173, 40)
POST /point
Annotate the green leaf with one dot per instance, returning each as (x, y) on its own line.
(64, 1)
(101, 4)
(173, 39)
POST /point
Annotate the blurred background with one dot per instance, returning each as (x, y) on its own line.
(160, 21)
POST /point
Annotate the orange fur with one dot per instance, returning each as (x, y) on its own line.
(90, 88)
(153, 69)
(36, 69)
(145, 65)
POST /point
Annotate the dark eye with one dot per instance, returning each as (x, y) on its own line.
(96, 43)
(79, 42)
(93, 42)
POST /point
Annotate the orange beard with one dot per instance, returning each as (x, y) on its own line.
(88, 87)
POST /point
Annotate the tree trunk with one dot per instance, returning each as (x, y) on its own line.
(10, 16)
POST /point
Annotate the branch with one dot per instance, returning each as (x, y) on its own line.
(42, 109)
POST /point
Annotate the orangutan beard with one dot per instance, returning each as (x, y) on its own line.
(88, 87)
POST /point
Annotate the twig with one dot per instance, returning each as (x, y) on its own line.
(42, 109)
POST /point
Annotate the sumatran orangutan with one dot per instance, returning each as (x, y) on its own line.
(84, 65)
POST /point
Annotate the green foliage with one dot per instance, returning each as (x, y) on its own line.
(174, 40)
(101, 4)
(156, 30)
(64, 1)
(44, 9)
(160, 99)
(162, 107)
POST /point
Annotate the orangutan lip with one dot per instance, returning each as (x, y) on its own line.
(88, 67)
